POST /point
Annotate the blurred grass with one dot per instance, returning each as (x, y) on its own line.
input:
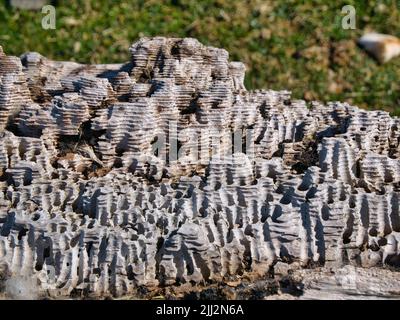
(286, 44)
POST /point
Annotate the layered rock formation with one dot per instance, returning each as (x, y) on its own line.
(165, 170)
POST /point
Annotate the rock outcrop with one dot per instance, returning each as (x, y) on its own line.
(165, 170)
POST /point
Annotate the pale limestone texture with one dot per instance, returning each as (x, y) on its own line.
(86, 205)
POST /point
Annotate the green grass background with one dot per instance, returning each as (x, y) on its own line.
(285, 44)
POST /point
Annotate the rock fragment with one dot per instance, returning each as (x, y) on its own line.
(382, 47)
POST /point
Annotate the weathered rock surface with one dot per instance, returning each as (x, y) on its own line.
(88, 204)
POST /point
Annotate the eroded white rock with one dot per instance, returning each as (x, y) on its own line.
(88, 205)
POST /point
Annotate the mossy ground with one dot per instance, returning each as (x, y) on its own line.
(286, 44)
